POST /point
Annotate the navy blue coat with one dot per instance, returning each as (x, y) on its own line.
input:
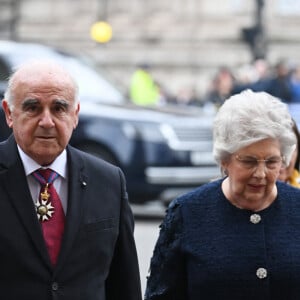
(209, 249)
(98, 259)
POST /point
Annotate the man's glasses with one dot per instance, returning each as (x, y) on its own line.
(250, 162)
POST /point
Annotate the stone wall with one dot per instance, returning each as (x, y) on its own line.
(184, 41)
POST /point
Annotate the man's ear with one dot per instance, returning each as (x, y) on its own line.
(7, 112)
(76, 115)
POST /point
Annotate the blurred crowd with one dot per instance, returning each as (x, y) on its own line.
(281, 80)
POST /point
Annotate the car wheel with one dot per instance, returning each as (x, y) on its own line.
(98, 151)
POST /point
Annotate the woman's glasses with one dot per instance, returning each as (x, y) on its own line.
(250, 162)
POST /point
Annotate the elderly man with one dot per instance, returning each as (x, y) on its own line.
(66, 228)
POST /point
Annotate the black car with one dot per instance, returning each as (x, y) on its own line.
(162, 151)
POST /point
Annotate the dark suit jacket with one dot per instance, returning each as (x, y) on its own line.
(98, 257)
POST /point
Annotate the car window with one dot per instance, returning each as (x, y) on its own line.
(4, 70)
(92, 86)
(4, 74)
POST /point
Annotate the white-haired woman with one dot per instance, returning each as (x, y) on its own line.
(237, 237)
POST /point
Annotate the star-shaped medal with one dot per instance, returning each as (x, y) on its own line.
(44, 210)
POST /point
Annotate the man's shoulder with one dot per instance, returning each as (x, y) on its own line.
(8, 150)
(88, 165)
(6, 143)
(88, 160)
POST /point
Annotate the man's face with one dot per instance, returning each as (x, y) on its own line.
(43, 116)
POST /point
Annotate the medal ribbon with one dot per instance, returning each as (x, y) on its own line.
(50, 212)
(42, 180)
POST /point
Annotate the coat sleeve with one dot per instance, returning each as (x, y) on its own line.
(123, 281)
(167, 279)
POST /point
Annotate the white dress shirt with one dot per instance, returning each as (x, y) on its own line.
(60, 183)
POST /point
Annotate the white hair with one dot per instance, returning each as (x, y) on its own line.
(250, 117)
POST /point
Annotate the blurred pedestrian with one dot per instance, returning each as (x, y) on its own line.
(236, 237)
(290, 174)
(295, 84)
(221, 87)
(187, 96)
(66, 228)
(143, 88)
(263, 76)
(280, 85)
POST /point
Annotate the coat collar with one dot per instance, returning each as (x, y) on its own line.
(12, 174)
(78, 183)
(13, 179)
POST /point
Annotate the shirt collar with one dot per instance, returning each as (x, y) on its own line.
(59, 165)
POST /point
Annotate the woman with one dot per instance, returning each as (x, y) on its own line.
(237, 237)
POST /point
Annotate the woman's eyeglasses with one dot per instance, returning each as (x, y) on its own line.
(250, 162)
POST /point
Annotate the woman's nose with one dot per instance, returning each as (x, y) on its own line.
(260, 170)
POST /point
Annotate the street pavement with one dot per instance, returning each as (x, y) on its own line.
(146, 234)
(148, 217)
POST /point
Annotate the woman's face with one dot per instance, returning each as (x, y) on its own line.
(252, 173)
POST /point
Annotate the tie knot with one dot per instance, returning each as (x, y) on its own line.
(44, 176)
(45, 173)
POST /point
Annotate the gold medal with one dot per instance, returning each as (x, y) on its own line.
(44, 208)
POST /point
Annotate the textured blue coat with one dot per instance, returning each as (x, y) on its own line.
(209, 249)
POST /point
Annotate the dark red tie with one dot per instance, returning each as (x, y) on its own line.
(50, 212)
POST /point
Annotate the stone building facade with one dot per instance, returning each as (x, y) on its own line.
(185, 42)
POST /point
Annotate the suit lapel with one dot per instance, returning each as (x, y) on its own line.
(13, 179)
(76, 187)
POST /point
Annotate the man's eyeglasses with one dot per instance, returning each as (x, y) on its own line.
(250, 162)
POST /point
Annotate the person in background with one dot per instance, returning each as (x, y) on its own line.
(236, 237)
(290, 174)
(295, 84)
(221, 87)
(143, 89)
(280, 85)
(66, 228)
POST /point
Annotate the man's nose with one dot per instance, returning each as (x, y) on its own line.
(46, 119)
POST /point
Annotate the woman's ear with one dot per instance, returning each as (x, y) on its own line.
(224, 167)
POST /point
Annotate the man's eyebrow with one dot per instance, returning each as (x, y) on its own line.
(29, 102)
(62, 102)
